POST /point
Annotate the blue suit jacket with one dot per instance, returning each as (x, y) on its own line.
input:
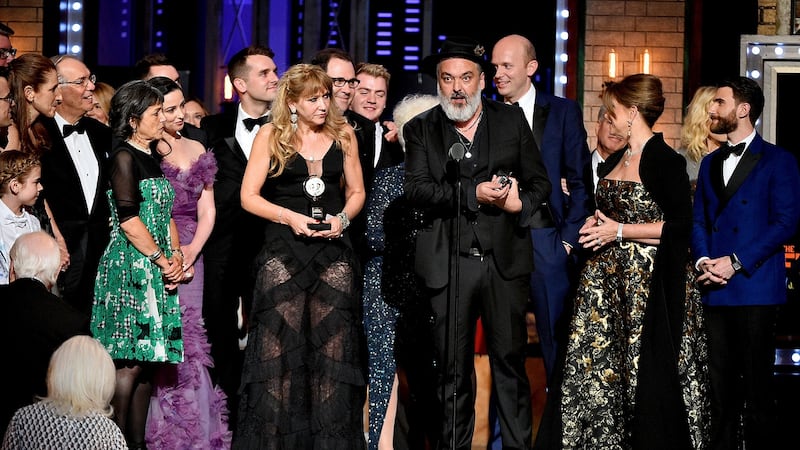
(559, 132)
(753, 217)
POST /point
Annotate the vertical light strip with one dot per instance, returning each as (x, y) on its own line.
(561, 57)
(412, 20)
(71, 28)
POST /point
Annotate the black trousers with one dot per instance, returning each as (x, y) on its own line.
(501, 305)
(741, 347)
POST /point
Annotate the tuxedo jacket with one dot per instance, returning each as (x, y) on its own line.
(33, 323)
(86, 232)
(511, 148)
(561, 137)
(234, 227)
(753, 217)
(391, 152)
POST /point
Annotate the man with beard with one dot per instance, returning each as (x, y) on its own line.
(473, 167)
(747, 205)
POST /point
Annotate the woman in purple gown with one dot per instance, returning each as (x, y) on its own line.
(186, 409)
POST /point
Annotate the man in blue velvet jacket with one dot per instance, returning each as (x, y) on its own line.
(747, 205)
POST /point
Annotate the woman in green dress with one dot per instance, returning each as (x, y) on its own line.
(136, 314)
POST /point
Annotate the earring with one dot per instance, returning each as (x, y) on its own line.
(630, 123)
(293, 118)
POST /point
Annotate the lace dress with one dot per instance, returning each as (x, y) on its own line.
(601, 374)
(186, 409)
(133, 315)
(303, 380)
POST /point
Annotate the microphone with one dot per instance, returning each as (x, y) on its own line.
(457, 151)
(453, 166)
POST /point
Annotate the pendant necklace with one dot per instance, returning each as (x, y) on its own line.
(463, 139)
(630, 154)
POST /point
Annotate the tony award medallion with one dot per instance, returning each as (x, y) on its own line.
(314, 187)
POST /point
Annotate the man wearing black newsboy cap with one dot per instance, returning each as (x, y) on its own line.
(474, 169)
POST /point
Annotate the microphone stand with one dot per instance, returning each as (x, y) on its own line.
(456, 152)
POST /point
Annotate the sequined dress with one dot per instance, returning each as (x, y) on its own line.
(599, 388)
(303, 378)
(133, 315)
(186, 409)
(379, 317)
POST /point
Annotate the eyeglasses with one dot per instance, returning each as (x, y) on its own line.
(82, 81)
(6, 53)
(8, 98)
(339, 82)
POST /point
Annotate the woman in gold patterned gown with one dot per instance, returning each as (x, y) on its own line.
(634, 374)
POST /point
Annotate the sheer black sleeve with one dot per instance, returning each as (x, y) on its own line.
(124, 178)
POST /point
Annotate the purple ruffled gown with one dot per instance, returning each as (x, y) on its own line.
(186, 410)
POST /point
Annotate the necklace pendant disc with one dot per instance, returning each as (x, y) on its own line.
(468, 155)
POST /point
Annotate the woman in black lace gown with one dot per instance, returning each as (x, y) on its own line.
(303, 380)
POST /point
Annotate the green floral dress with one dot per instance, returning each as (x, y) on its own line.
(133, 314)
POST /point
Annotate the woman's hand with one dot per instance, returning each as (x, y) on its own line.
(598, 231)
(172, 270)
(336, 230)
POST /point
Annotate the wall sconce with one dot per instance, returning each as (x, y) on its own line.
(612, 64)
(228, 88)
(646, 61)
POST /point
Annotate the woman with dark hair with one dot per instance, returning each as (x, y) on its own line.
(186, 409)
(135, 314)
(303, 380)
(634, 374)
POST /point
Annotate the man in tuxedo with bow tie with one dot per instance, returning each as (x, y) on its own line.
(74, 181)
(746, 206)
(237, 234)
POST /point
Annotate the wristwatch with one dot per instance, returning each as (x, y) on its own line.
(619, 232)
(735, 263)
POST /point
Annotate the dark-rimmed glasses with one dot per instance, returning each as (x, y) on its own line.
(8, 98)
(339, 82)
(82, 81)
(6, 53)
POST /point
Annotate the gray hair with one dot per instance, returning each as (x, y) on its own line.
(36, 255)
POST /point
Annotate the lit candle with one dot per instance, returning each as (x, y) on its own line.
(612, 64)
(228, 90)
(646, 61)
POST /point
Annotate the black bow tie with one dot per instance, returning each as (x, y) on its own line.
(78, 128)
(727, 150)
(250, 123)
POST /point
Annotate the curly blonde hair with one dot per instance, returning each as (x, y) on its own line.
(15, 164)
(298, 82)
(697, 123)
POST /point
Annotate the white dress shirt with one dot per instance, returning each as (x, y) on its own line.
(12, 226)
(378, 144)
(85, 161)
(243, 136)
(730, 163)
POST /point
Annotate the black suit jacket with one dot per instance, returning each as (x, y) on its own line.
(511, 148)
(234, 228)
(85, 232)
(33, 323)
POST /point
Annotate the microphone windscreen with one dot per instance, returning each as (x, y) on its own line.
(457, 151)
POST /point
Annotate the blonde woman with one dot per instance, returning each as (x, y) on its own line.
(303, 380)
(76, 412)
(697, 140)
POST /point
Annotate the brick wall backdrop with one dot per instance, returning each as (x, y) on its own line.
(629, 27)
(25, 18)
